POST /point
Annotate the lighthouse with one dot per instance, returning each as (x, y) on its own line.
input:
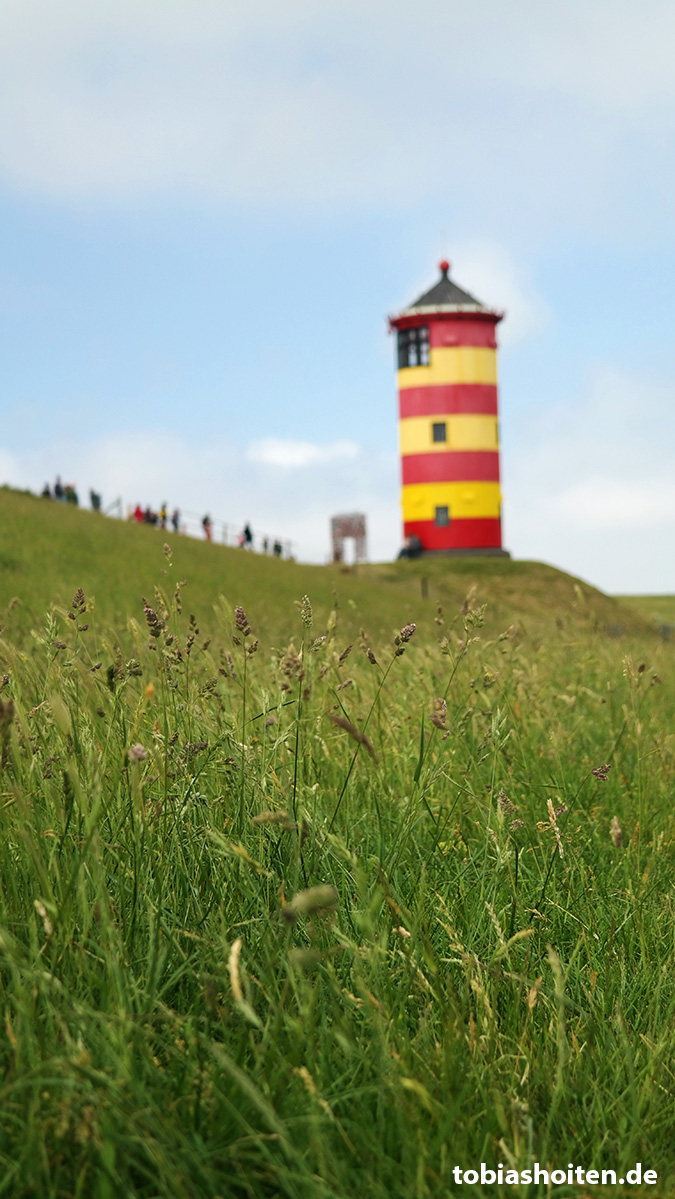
(448, 421)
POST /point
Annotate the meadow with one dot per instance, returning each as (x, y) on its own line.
(319, 884)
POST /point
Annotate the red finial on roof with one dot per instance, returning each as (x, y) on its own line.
(444, 266)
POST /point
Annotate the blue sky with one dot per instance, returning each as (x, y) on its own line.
(208, 210)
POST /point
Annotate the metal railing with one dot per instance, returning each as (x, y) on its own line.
(223, 532)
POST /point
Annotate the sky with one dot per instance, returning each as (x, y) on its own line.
(208, 209)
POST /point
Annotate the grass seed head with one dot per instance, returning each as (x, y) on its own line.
(402, 932)
(176, 595)
(553, 815)
(601, 772)
(401, 639)
(155, 625)
(291, 664)
(350, 728)
(279, 818)
(42, 913)
(615, 832)
(241, 622)
(306, 614)
(306, 903)
(505, 803)
(233, 969)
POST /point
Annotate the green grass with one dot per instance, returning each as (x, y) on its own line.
(47, 548)
(657, 608)
(183, 1014)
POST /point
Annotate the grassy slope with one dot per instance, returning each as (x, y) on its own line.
(47, 550)
(168, 1031)
(658, 608)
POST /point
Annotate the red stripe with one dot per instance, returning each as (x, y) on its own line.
(462, 331)
(453, 328)
(450, 399)
(451, 466)
(468, 534)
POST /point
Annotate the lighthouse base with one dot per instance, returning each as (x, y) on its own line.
(482, 551)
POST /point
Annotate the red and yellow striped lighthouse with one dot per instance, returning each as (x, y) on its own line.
(449, 431)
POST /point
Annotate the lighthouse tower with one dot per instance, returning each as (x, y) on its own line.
(449, 432)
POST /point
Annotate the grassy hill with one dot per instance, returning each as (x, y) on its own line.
(659, 609)
(327, 906)
(47, 550)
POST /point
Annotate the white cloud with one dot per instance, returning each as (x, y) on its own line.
(120, 100)
(589, 484)
(309, 103)
(275, 451)
(603, 502)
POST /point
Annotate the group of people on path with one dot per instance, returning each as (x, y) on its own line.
(245, 538)
(245, 542)
(66, 493)
(277, 547)
(146, 516)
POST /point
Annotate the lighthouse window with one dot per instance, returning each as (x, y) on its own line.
(442, 517)
(413, 347)
(439, 431)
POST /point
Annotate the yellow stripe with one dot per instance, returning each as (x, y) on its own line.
(420, 500)
(452, 364)
(462, 433)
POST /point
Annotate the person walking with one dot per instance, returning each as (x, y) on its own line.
(207, 526)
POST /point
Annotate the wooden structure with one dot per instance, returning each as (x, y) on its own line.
(352, 525)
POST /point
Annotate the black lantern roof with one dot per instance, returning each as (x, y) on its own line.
(446, 294)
